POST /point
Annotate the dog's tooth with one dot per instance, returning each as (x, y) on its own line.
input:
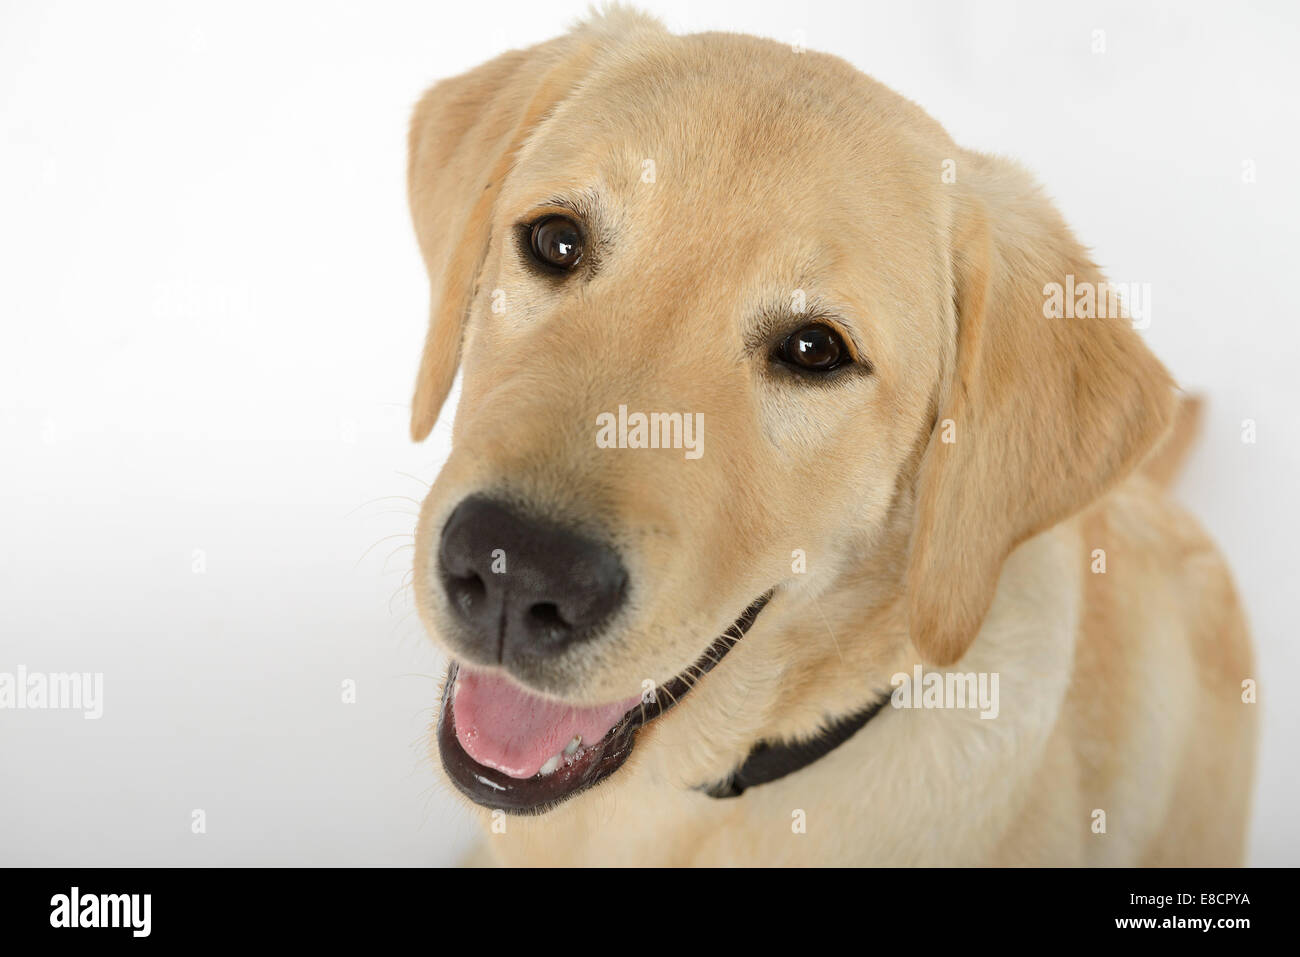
(551, 764)
(573, 745)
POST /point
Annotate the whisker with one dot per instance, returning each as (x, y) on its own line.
(399, 511)
(383, 570)
(401, 588)
(831, 633)
(386, 538)
(382, 498)
(416, 478)
(401, 621)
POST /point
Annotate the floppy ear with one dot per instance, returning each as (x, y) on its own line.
(1038, 416)
(463, 139)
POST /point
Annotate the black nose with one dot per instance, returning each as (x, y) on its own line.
(524, 588)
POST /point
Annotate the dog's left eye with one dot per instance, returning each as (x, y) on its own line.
(814, 348)
(556, 241)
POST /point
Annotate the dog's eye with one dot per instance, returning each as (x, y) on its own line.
(556, 241)
(814, 348)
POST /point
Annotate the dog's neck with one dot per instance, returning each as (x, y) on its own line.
(771, 761)
(867, 598)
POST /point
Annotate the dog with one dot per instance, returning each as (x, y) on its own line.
(783, 523)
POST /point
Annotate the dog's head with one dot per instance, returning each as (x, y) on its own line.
(745, 339)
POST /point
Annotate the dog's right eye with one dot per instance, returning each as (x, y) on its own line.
(816, 348)
(556, 242)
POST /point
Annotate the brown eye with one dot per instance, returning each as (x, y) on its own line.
(815, 348)
(556, 241)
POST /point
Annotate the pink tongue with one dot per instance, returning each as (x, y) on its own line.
(502, 726)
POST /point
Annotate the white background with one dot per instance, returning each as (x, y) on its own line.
(210, 313)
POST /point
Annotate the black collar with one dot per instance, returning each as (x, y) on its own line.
(771, 760)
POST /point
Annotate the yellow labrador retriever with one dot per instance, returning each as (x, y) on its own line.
(789, 518)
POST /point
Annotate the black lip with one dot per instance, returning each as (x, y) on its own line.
(537, 795)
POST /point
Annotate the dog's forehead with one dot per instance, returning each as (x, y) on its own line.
(692, 126)
(745, 131)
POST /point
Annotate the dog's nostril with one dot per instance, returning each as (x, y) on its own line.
(545, 616)
(467, 591)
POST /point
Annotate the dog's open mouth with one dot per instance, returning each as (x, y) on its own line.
(506, 748)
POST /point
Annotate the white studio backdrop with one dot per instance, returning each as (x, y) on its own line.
(211, 307)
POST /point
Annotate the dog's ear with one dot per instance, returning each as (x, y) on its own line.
(1037, 416)
(464, 135)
